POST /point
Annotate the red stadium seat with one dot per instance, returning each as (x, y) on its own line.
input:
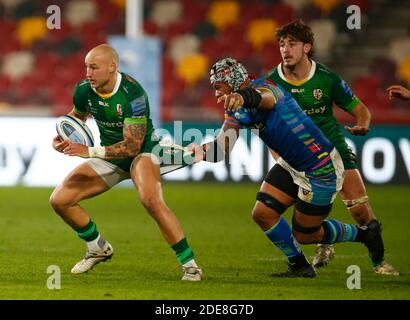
(282, 13)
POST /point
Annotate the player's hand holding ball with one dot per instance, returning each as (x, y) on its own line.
(76, 149)
(59, 144)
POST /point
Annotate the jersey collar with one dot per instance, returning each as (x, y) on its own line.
(297, 83)
(116, 87)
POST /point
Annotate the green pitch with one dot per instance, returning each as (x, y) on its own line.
(236, 257)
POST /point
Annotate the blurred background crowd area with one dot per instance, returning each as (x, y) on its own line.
(38, 66)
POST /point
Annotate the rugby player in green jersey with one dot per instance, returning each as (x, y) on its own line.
(315, 87)
(120, 108)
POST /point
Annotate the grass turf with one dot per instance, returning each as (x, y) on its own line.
(236, 257)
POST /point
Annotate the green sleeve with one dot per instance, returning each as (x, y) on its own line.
(139, 120)
(80, 98)
(342, 95)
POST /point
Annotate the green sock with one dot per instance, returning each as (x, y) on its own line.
(183, 251)
(89, 232)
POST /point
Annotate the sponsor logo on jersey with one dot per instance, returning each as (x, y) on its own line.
(315, 110)
(297, 90)
(102, 103)
(317, 93)
(119, 110)
(109, 124)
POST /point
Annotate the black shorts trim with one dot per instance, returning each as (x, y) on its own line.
(280, 178)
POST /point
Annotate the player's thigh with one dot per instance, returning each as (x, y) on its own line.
(279, 183)
(145, 174)
(353, 186)
(276, 193)
(81, 183)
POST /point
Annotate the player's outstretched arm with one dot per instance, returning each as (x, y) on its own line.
(399, 92)
(216, 150)
(363, 118)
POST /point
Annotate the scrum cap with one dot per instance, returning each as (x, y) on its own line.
(228, 71)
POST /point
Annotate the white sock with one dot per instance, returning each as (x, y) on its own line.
(93, 245)
(190, 263)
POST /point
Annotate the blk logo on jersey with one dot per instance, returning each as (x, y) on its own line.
(119, 110)
(317, 93)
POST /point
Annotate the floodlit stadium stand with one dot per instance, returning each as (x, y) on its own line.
(38, 66)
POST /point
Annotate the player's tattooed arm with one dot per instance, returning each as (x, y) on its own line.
(134, 135)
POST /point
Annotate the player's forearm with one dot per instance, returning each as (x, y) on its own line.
(213, 152)
(363, 118)
(122, 150)
(130, 147)
(362, 115)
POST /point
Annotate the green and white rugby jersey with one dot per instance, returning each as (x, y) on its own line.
(315, 95)
(127, 104)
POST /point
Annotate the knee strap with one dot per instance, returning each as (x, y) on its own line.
(306, 230)
(271, 202)
(352, 203)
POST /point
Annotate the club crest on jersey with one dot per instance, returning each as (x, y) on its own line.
(317, 93)
(119, 110)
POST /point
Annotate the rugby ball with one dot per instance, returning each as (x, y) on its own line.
(75, 130)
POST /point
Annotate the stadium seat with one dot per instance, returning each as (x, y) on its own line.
(260, 32)
(310, 13)
(325, 33)
(5, 83)
(252, 10)
(30, 29)
(79, 12)
(368, 84)
(193, 67)
(204, 29)
(166, 12)
(385, 69)
(16, 65)
(183, 45)
(214, 48)
(239, 51)
(224, 13)
(195, 10)
(297, 5)
(326, 6)
(282, 13)
(151, 28)
(119, 3)
(271, 55)
(404, 69)
(25, 9)
(174, 29)
(364, 5)
(399, 49)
